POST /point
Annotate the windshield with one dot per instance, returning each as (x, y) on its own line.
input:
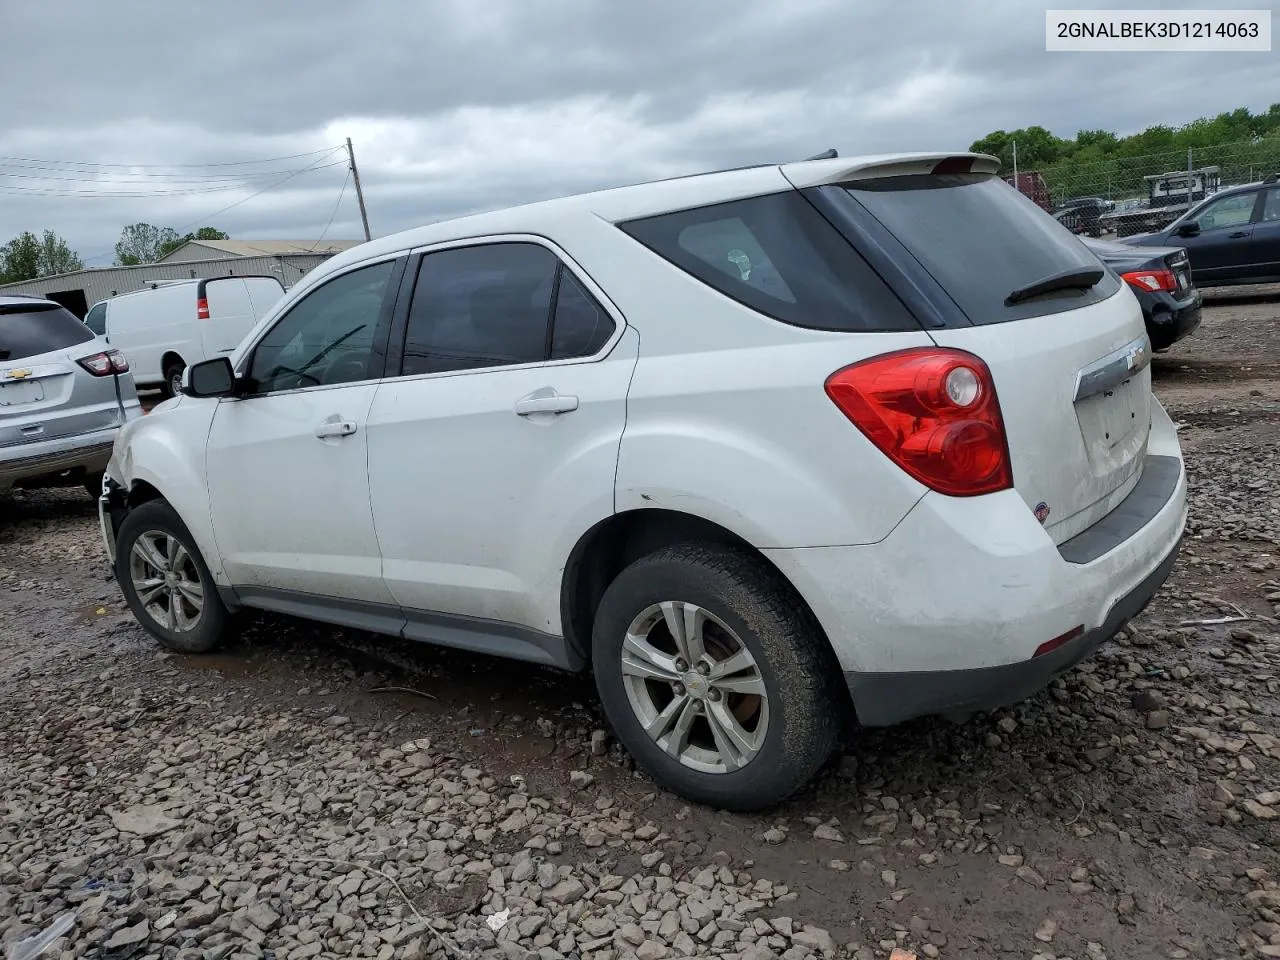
(982, 240)
(28, 330)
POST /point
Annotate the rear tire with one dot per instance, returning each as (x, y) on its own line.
(758, 710)
(166, 582)
(173, 379)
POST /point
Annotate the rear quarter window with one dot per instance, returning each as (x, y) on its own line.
(28, 331)
(980, 240)
(779, 256)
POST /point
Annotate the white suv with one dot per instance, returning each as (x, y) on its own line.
(765, 449)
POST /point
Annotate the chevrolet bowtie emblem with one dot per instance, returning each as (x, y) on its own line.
(17, 374)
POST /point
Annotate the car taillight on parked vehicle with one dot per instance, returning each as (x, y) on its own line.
(202, 309)
(934, 413)
(1151, 280)
(106, 363)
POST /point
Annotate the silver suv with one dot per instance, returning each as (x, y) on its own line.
(64, 394)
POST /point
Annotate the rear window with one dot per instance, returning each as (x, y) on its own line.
(981, 240)
(27, 331)
(777, 255)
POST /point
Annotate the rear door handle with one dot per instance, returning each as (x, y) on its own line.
(545, 400)
(335, 428)
(1238, 234)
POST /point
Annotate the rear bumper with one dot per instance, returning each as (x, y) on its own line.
(1168, 318)
(883, 699)
(945, 614)
(89, 452)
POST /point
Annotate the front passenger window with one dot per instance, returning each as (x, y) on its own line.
(327, 337)
(1233, 211)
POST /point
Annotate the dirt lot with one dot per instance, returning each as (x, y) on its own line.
(284, 798)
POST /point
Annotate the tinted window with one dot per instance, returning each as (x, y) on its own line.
(1233, 211)
(96, 319)
(482, 306)
(1271, 206)
(581, 325)
(27, 331)
(779, 256)
(327, 337)
(981, 240)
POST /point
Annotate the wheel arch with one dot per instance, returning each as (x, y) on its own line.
(622, 538)
(159, 473)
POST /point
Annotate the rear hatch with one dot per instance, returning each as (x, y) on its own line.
(1063, 338)
(45, 392)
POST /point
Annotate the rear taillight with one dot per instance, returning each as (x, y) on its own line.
(106, 363)
(202, 309)
(934, 413)
(1151, 280)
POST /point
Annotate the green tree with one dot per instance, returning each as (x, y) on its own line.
(56, 257)
(20, 258)
(27, 257)
(143, 243)
(1036, 146)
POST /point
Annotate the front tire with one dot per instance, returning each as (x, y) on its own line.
(715, 677)
(166, 582)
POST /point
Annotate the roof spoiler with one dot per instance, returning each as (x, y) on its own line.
(818, 172)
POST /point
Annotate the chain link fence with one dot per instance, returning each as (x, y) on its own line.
(1121, 196)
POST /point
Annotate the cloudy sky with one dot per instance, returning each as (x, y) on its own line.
(462, 105)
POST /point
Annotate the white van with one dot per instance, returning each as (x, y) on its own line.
(174, 323)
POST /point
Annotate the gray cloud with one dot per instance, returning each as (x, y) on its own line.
(456, 106)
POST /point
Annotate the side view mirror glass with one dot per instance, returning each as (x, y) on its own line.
(210, 378)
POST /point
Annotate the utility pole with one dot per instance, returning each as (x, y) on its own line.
(355, 176)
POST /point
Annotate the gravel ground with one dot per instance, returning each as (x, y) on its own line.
(315, 792)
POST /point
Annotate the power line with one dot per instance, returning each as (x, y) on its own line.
(236, 184)
(169, 166)
(334, 213)
(271, 186)
(139, 178)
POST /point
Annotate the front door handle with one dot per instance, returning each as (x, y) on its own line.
(1238, 234)
(545, 400)
(335, 428)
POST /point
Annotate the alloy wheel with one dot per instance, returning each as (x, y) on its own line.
(166, 581)
(695, 687)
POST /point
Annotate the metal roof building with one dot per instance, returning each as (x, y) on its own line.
(218, 249)
(80, 290)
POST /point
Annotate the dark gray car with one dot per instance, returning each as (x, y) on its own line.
(1232, 237)
(64, 394)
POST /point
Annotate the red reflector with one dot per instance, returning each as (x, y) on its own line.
(934, 413)
(1050, 645)
(1151, 280)
(202, 309)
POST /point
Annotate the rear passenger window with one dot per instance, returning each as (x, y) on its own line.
(779, 256)
(581, 326)
(491, 305)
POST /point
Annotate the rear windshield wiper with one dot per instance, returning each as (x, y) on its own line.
(1082, 278)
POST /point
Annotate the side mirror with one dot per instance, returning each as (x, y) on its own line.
(1188, 229)
(210, 378)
